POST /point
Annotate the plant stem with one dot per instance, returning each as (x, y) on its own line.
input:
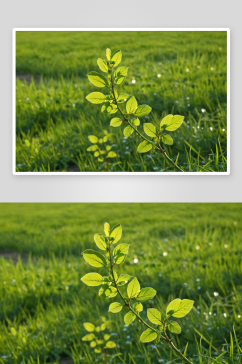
(138, 133)
(165, 338)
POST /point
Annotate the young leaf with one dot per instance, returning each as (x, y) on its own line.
(131, 105)
(121, 249)
(171, 122)
(97, 79)
(115, 307)
(108, 54)
(93, 344)
(89, 327)
(155, 316)
(128, 131)
(142, 110)
(144, 147)
(115, 122)
(100, 159)
(92, 148)
(119, 258)
(109, 108)
(106, 337)
(102, 64)
(166, 139)
(108, 148)
(123, 279)
(114, 292)
(116, 58)
(105, 291)
(122, 98)
(148, 336)
(92, 279)
(98, 350)
(96, 154)
(120, 74)
(179, 308)
(138, 307)
(110, 345)
(100, 241)
(96, 98)
(93, 139)
(88, 337)
(174, 327)
(116, 233)
(146, 294)
(129, 318)
(107, 228)
(111, 155)
(150, 130)
(94, 258)
(135, 122)
(133, 288)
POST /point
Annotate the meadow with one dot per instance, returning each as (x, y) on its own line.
(182, 250)
(181, 73)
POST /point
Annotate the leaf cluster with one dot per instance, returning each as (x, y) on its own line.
(96, 336)
(101, 151)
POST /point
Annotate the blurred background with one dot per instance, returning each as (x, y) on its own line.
(181, 250)
(174, 72)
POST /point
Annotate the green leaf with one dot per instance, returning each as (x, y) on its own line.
(106, 337)
(97, 79)
(114, 292)
(144, 147)
(148, 336)
(107, 228)
(27, 143)
(120, 74)
(142, 110)
(96, 98)
(123, 279)
(135, 122)
(128, 131)
(108, 54)
(110, 345)
(93, 139)
(89, 327)
(155, 316)
(92, 148)
(13, 331)
(121, 249)
(115, 307)
(179, 308)
(105, 291)
(150, 130)
(102, 64)
(171, 122)
(111, 155)
(92, 279)
(88, 337)
(166, 139)
(95, 259)
(100, 241)
(116, 58)
(174, 327)
(133, 288)
(116, 233)
(93, 344)
(98, 350)
(109, 108)
(131, 105)
(122, 98)
(108, 148)
(138, 307)
(146, 294)
(96, 154)
(116, 122)
(129, 318)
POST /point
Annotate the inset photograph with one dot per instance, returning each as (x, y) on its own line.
(121, 101)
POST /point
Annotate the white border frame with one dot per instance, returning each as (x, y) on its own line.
(118, 173)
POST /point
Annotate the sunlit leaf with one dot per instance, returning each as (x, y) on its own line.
(93, 139)
(88, 337)
(122, 98)
(174, 327)
(146, 294)
(102, 64)
(144, 147)
(96, 98)
(131, 105)
(166, 139)
(116, 233)
(92, 279)
(148, 336)
(95, 259)
(129, 318)
(150, 130)
(123, 279)
(116, 58)
(171, 122)
(100, 241)
(142, 110)
(110, 345)
(108, 54)
(155, 316)
(128, 131)
(107, 228)
(97, 79)
(133, 288)
(179, 308)
(111, 155)
(138, 307)
(115, 122)
(115, 307)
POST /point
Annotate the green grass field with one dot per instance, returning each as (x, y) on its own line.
(43, 303)
(175, 72)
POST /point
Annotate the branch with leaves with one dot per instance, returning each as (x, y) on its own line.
(101, 151)
(131, 114)
(132, 299)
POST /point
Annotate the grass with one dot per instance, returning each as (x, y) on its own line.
(43, 303)
(175, 72)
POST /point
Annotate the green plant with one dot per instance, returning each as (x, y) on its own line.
(111, 288)
(98, 340)
(112, 104)
(101, 152)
